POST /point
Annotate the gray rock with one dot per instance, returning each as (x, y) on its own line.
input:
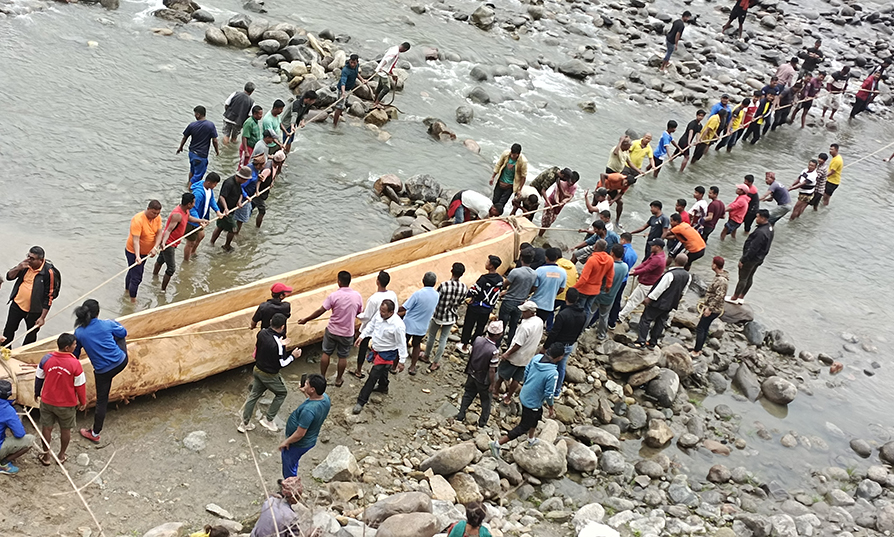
(217, 510)
(488, 480)
(658, 435)
(719, 474)
(450, 460)
(239, 21)
(612, 463)
(464, 114)
(256, 30)
(270, 46)
(215, 36)
(479, 95)
(196, 441)
(542, 460)
(576, 69)
(404, 502)
(596, 435)
(339, 465)
(839, 498)
(483, 17)
(592, 513)
(861, 447)
(423, 187)
(884, 519)
(637, 417)
(409, 525)
(783, 526)
(509, 472)
(868, 490)
(768, 21)
(664, 388)
(279, 36)
(747, 382)
(202, 15)
(171, 529)
(581, 458)
(779, 390)
(649, 468)
(677, 359)
(879, 474)
(780, 343)
(680, 493)
(236, 37)
(688, 440)
(754, 331)
(466, 488)
(627, 360)
(886, 453)
(479, 73)
(300, 53)
(110, 4)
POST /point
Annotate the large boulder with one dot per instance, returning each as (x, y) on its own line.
(575, 69)
(236, 37)
(451, 460)
(239, 21)
(202, 15)
(388, 180)
(737, 313)
(581, 458)
(300, 53)
(479, 73)
(628, 360)
(466, 488)
(269, 46)
(376, 117)
(172, 15)
(423, 187)
(483, 17)
(488, 480)
(754, 333)
(542, 460)
(779, 390)
(479, 95)
(596, 436)
(277, 35)
(677, 359)
(746, 382)
(339, 465)
(664, 387)
(256, 30)
(215, 36)
(409, 525)
(401, 503)
(886, 453)
(592, 512)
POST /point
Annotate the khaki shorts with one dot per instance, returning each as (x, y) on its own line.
(66, 416)
(340, 345)
(13, 444)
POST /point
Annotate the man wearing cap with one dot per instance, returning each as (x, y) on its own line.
(251, 135)
(275, 304)
(295, 115)
(600, 201)
(664, 297)
(388, 343)
(230, 200)
(345, 304)
(346, 84)
(201, 134)
(647, 273)
(237, 107)
(736, 211)
(786, 72)
(480, 372)
(205, 203)
(451, 294)
(523, 347)
(11, 447)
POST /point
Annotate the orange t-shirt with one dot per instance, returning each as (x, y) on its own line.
(146, 229)
(690, 238)
(614, 181)
(23, 297)
(600, 267)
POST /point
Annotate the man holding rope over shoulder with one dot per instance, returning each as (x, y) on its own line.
(346, 84)
(386, 80)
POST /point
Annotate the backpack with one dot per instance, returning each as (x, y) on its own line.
(55, 280)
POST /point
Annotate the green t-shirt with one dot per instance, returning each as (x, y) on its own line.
(508, 175)
(309, 415)
(272, 123)
(460, 529)
(252, 131)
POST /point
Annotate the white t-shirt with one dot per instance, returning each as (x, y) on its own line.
(477, 203)
(389, 60)
(372, 306)
(699, 210)
(527, 337)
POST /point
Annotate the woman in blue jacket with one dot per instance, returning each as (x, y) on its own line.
(103, 339)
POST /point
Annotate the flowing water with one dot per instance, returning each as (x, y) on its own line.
(89, 135)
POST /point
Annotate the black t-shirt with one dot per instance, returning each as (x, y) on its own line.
(811, 63)
(267, 310)
(657, 225)
(693, 127)
(268, 182)
(230, 191)
(787, 96)
(676, 28)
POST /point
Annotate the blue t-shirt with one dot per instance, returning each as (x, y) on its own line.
(348, 77)
(309, 415)
(200, 132)
(611, 239)
(629, 258)
(249, 187)
(420, 308)
(661, 150)
(550, 278)
(98, 339)
(9, 419)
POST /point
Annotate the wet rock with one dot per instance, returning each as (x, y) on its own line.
(438, 129)
(171, 529)
(215, 36)
(780, 343)
(339, 465)
(269, 46)
(464, 114)
(479, 95)
(596, 436)
(479, 73)
(581, 458)
(658, 435)
(649, 468)
(256, 30)
(688, 440)
(779, 390)
(236, 37)
(627, 360)
(636, 415)
(643, 377)
(879, 474)
(677, 359)
(542, 460)
(483, 17)
(202, 15)
(113, 4)
(196, 441)
(450, 460)
(256, 6)
(172, 15)
(886, 453)
(719, 474)
(768, 21)
(401, 503)
(747, 382)
(868, 490)
(884, 520)
(300, 53)
(576, 69)
(716, 447)
(376, 117)
(664, 388)
(754, 332)
(279, 36)
(472, 146)
(423, 187)
(409, 525)
(612, 463)
(239, 21)
(788, 440)
(466, 488)
(839, 498)
(680, 493)
(861, 447)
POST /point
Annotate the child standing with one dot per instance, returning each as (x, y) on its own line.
(60, 382)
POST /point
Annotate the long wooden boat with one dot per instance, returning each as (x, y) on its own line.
(171, 345)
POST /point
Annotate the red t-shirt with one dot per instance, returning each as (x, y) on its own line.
(749, 113)
(63, 380)
(684, 216)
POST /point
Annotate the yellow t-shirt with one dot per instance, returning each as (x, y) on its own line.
(710, 130)
(638, 153)
(737, 120)
(835, 167)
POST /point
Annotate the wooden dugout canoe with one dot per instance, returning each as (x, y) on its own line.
(169, 345)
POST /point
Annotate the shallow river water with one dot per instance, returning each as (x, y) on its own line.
(89, 136)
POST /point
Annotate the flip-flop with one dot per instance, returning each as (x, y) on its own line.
(43, 461)
(63, 459)
(412, 371)
(638, 345)
(434, 367)
(339, 383)
(360, 376)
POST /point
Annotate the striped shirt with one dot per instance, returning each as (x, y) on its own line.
(451, 294)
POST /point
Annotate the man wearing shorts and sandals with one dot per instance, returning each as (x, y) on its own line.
(522, 348)
(345, 305)
(346, 84)
(835, 89)
(739, 11)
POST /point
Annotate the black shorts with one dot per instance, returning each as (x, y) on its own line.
(613, 193)
(414, 340)
(830, 189)
(684, 151)
(259, 204)
(658, 161)
(816, 199)
(166, 257)
(188, 235)
(738, 13)
(806, 105)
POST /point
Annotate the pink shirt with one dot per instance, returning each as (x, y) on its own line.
(738, 208)
(345, 304)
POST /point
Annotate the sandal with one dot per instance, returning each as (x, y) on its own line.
(43, 460)
(507, 400)
(424, 360)
(339, 383)
(412, 371)
(434, 367)
(360, 376)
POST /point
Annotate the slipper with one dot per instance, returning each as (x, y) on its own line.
(63, 459)
(434, 367)
(424, 360)
(412, 371)
(43, 461)
(507, 400)
(360, 376)
(339, 383)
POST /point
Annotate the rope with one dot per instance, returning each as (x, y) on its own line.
(87, 484)
(64, 471)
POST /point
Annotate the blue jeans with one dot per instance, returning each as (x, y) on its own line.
(670, 50)
(460, 215)
(433, 328)
(569, 348)
(197, 167)
(615, 312)
(588, 302)
(290, 458)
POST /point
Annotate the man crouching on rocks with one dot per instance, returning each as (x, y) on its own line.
(277, 517)
(541, 375)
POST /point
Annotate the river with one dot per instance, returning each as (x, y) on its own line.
(90, 132)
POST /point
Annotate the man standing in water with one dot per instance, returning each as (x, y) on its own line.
(270, 358)
(806, 182)
(780, 194)
(672, 40)
(231, 199)
(251, 135)
(295, 117)
(690, 138)
(345, 304)
(386, 80)
(510, 174)
(32, 295)
(205, 202)
(756, 248)
(833, 177)
(867, 91)
(236, 110)
(201, 134)
(173, 232)
(346, 84)
(272, 121)
(143, 240)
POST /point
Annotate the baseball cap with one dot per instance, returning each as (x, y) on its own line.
(743, 186)
(657, 242)
(495, 327)
(280, 288)
(601, 191)
(528, 305)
